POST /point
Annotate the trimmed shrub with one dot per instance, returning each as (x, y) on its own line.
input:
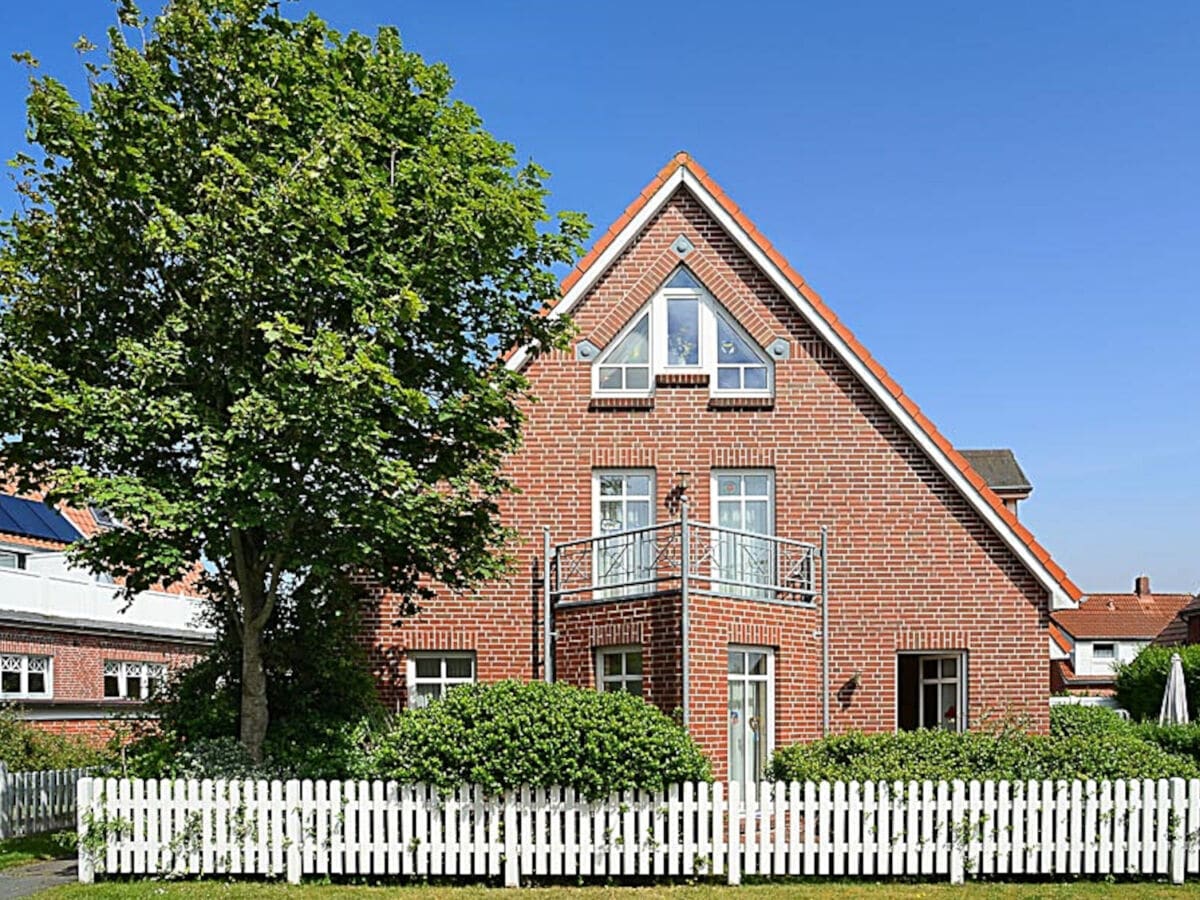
(24, 748)
(1141, 682)
(946, 755)
(1077, 720)
(512, 733)
(1182, 740)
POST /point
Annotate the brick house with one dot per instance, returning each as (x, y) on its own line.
(714, 457)
(72, 655)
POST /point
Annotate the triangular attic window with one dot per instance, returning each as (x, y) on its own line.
(683, 279)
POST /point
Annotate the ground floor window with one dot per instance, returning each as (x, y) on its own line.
(619, 669)
(132, 680)
(25, 676)
(431, 674)
(751, 712)
(931, 691)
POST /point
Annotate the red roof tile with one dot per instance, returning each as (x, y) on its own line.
(1131, 616)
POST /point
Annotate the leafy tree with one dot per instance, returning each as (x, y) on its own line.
(252, 304)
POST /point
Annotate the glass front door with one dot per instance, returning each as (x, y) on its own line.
(751, 705)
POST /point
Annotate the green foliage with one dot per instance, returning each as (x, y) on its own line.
(514, 733)
(1182, 740)
(322, 693)
(1141, 682)
(253, 303)
(945, 755)
(24, 748)
(1077, 720)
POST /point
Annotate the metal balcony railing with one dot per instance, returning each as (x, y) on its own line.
(716, 562)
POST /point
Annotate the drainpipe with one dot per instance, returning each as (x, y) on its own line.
(685, 618)
(548, 615)
(824, 631)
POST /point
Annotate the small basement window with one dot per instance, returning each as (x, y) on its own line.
(430, 675)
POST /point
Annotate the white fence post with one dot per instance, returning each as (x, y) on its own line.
(6, 800)
(512, 864)
(1179, 835)
(295, 834)
(958, 798)
(733, 864)
(83, 808)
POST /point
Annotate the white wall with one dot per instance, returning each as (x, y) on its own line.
(1086, 663)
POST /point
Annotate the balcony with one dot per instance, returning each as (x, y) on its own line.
(74, 596)
(685, 556)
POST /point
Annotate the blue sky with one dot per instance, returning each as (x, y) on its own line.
(1001, 200)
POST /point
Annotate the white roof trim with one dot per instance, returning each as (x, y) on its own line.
(1058, 597)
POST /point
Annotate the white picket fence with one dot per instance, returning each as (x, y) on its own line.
(945, 830)
(36, 802)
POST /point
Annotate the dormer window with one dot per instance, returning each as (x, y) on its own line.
(683, 329)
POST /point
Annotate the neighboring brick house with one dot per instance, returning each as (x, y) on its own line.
(1106, 629)
(71, 654)
(705, 368)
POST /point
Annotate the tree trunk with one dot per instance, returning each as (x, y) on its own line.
(255, 714)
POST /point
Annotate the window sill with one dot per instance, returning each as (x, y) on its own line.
(741, 403)
(681, 379)
(602, 404)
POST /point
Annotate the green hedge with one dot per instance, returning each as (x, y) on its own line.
(512, 733)
(1075, 719)
(945, 755)
(24, 748)
(1141, 682)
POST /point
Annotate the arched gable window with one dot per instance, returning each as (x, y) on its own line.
(683, 329)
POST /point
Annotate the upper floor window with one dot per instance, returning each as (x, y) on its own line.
(683, 329)
(11, 559)
(25, 676)
(1104, 651)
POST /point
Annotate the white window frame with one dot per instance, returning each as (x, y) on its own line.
(598, 548)
(22, 661)
(619, 682)
(442, 680)
(714, 500)
(962, 696)
(124, 669)
(709, 310)
(17, 557)
(1112, 650)
(744, 677)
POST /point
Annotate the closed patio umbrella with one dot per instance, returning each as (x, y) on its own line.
(1174, 709)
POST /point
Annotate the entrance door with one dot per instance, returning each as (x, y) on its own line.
(751, 712)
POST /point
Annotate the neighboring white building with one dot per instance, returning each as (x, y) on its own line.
(1087, 643)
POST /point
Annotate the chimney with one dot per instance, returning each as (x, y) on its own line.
(1141, 585)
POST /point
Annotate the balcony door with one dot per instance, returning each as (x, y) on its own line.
(623, 507)
(744, 501)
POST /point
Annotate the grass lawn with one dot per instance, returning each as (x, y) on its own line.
(838, 891)
(17, 851)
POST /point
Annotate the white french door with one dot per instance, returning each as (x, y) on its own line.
(623, 502)
(744, 502)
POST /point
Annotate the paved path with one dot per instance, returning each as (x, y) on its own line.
(25, 881)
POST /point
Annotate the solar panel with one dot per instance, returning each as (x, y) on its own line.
(31, 518)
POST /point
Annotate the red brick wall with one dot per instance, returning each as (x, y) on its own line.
(912, 565)
(78, 659)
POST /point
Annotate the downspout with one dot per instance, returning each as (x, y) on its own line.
(685, 612)
(824, 631)
(548, 613)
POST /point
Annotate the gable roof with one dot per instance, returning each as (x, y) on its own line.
(1000, 469)
(1121, 616)
(684, 172)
